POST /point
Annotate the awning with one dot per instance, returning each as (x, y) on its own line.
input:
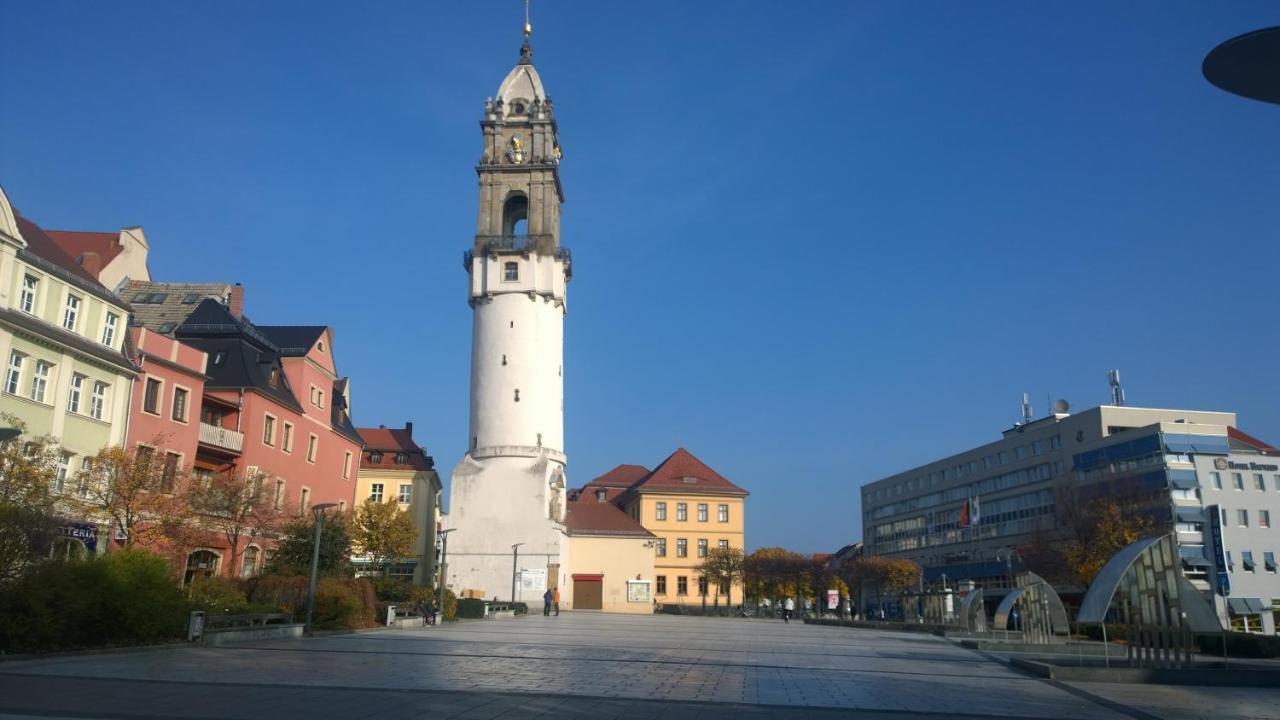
(588, 577)
(1183, 479)
(1189, 514)
(1246, 606)
(1194, 556)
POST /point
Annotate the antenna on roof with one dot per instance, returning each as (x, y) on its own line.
(1026, 408)
(1117, 392)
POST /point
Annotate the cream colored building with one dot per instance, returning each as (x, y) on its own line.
(689, 509)
(394, 466)
(62, 340)
(610, 560)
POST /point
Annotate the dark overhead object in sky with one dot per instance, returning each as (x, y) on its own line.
(1248, 65)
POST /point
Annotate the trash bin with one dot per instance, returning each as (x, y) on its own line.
(391, 615)
(195, 625)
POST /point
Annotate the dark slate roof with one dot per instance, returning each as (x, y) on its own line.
(38, 327)
(293, 340)
(247, 357)
(42, 252)
(179, 301)
(340, 415)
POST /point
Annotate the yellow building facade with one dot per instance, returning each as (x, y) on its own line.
(394, 466)
(689, 510)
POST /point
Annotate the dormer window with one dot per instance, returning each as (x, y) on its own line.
(602, 495)
(274, 379)
(402, 458)
(517, 108)
(375, 457)
(219, 356)
(510, 272)
(689, 480)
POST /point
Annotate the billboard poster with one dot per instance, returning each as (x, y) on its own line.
(1222, 583)
(833, 599)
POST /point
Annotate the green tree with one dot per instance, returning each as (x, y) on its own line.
(292, 555)
(383, 531)
(28, 513)
(722, 567)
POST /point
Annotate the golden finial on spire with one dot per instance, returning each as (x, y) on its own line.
(528, 27)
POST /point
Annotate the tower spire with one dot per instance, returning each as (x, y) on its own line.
(526, 50)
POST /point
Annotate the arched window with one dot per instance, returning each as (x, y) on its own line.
(201, 563)
(515, 215)
(510, 272)
(249, 562)
(68, 548)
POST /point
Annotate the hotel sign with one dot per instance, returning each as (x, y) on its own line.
(1222, 586)
(1225, 464)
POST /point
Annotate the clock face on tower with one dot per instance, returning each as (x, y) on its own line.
(515, 151)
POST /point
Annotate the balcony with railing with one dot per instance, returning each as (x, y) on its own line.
(541, 244)
(221, 438)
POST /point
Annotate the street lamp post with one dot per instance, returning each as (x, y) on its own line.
(515, 557)
(444, 566)
(318, 512)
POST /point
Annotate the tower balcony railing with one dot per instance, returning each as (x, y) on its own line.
(527, 243)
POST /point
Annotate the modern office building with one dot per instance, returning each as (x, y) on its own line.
(964, 515)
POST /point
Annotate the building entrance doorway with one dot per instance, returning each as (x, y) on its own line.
(588, 592)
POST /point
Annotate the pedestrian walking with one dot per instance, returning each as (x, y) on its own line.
(547, 597)
(787, 608)
(555, 600)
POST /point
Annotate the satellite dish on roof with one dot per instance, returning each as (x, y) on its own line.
(1061, 407)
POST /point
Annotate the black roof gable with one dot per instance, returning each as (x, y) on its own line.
(292, 339)
(239, 355)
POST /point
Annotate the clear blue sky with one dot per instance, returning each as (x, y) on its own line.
(814, 243)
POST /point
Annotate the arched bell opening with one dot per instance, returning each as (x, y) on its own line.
(515, 216)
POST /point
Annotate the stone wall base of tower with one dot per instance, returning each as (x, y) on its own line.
(495, 503)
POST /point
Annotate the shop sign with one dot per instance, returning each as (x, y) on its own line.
(84, 532)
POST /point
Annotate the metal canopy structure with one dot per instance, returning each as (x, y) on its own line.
(973, 616)
(1160, 606)
(1043, 616)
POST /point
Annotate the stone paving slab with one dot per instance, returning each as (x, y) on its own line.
(579, 664)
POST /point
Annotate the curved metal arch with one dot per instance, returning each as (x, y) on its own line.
(1006, 606)
(1093, 609)
(1059, 621)
(973, 614)
(1197, 611)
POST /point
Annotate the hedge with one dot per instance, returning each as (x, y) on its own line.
(126, 598)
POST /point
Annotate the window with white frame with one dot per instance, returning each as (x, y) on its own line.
(723, 513)
(1242, 518)
(60, 477)
(304, 501)
(1237, 481)
(1264, 518)
(682, 547)
(346, 466)
(660, 511)
(375, 492)
(286, 441)
(723, 544)
(1217, 480)
(702, 512)
(1259, 482)
(76, 394)
(40, 381)
(109, 329)
(98, 400)
(406, 493)
(82, 483)
(28, 301)
(510, 272)
(313, 443)
(279, 499)
(702, 547)
(682, 512)
(151, 396)
(269, 430)
(13, 379)
(71, 314)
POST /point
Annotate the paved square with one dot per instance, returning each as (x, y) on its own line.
(585, 665)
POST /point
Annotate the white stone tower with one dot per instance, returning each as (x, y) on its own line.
(509, 487)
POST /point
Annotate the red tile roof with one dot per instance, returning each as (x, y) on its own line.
(1261, 445)
(623, 476)
(40, 244)
(682, 472)
(390, 441)
(76, 243)
(590, 517)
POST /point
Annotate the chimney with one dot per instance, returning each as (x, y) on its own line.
(408, 427)
(236, 306)
(92, 263)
